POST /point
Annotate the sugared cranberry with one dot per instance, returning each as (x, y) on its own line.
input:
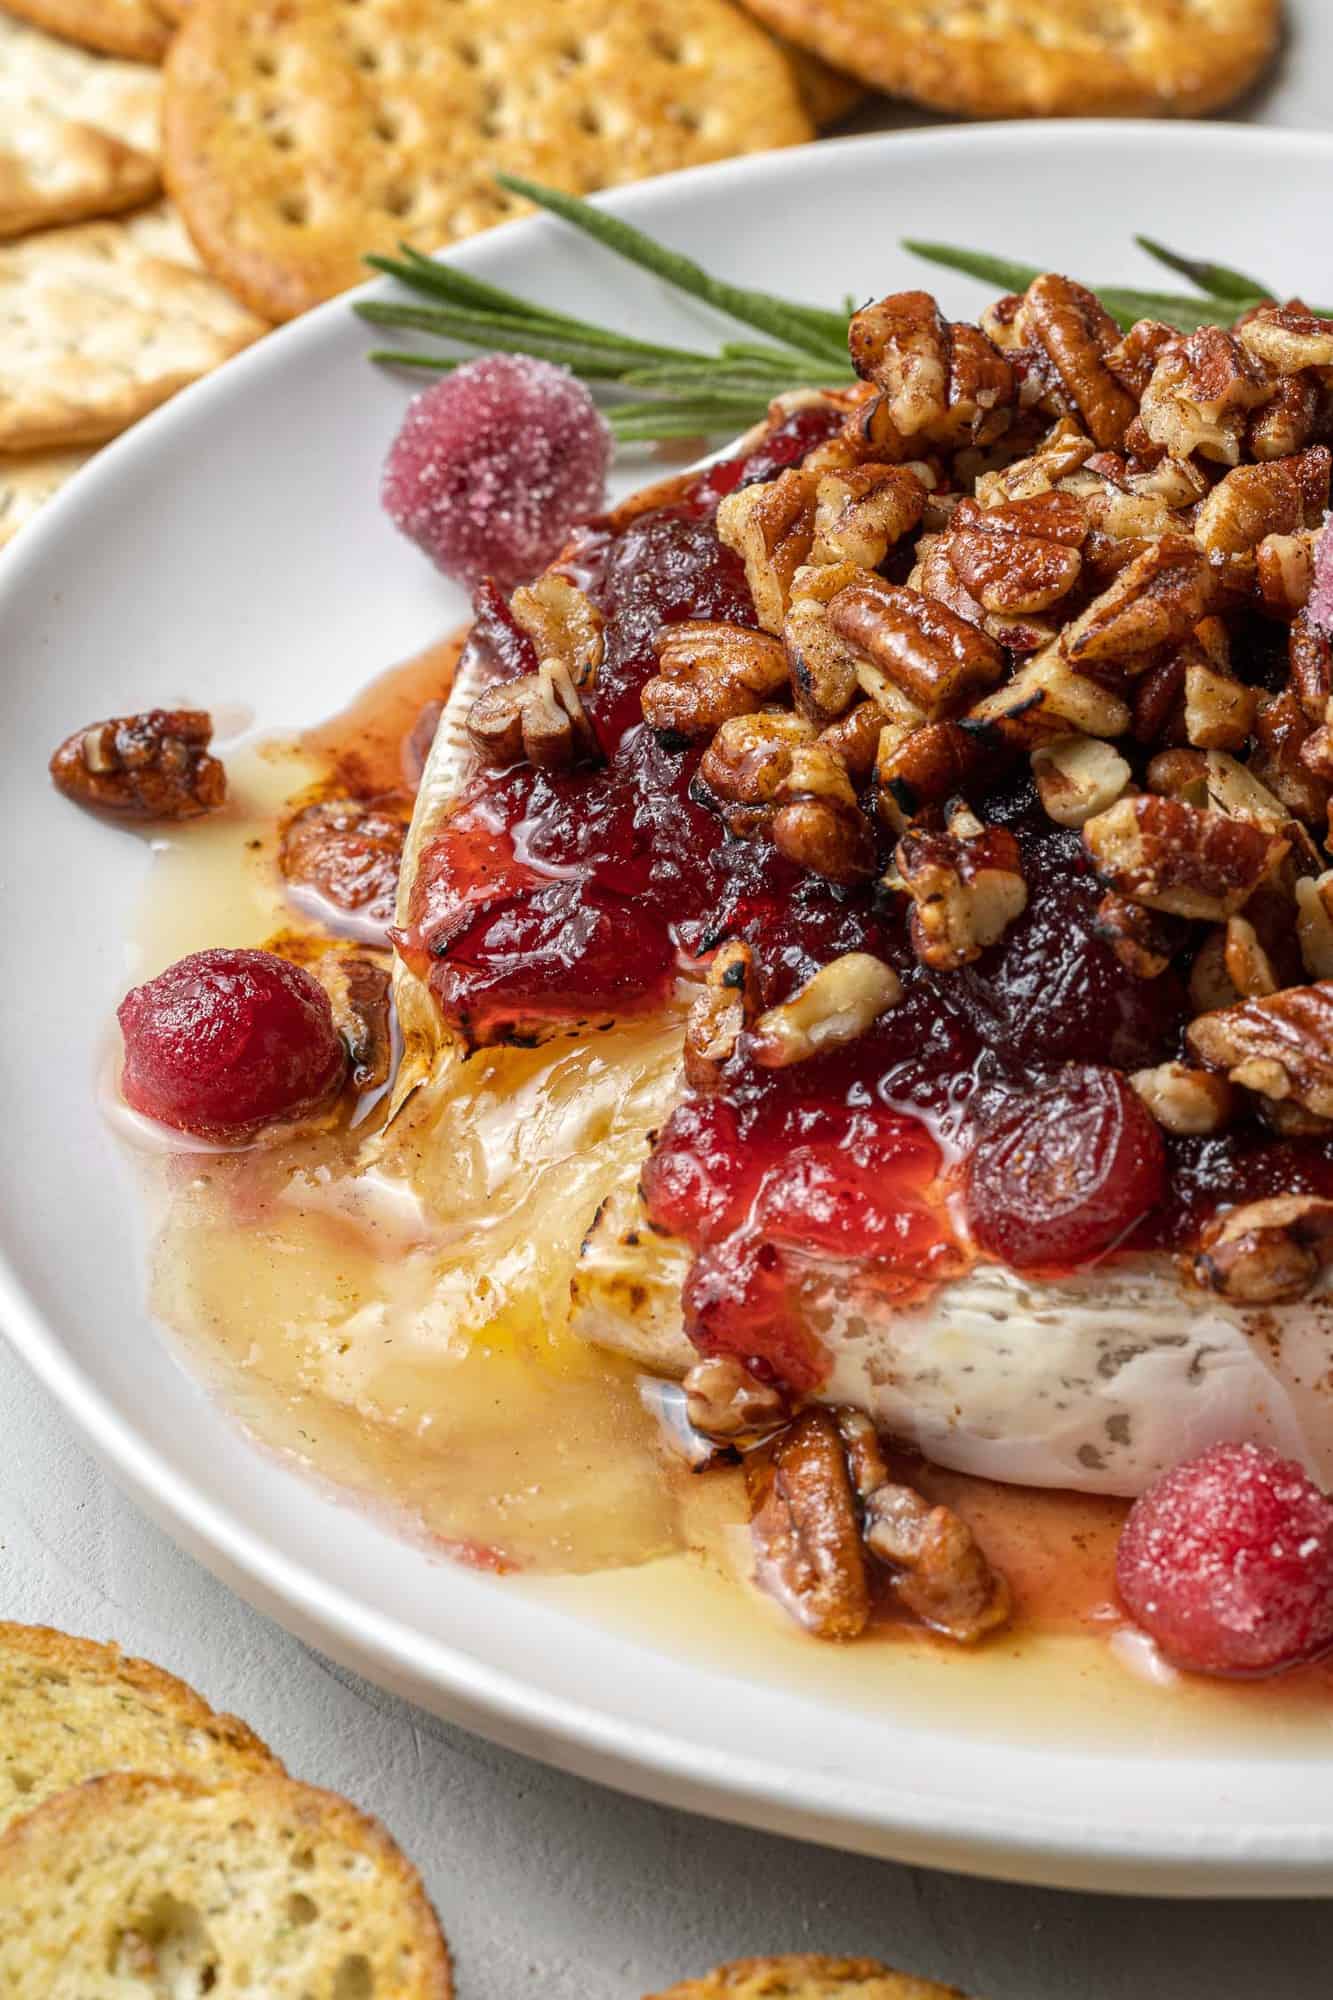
(1227, 1561)
(225, 1042)
(1066, 1172)
(494, 465)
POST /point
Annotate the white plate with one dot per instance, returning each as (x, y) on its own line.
(231, 550)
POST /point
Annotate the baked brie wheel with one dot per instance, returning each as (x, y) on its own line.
(903, 842)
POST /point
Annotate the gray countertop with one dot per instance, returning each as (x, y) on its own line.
(550, 1886)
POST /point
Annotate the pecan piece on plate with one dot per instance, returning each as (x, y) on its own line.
(1021, 555)
(149, 766)
(923, 765)
(563, 623)
(538, 717)
(1280, 1045)
(1143, 940)
(358, 990)
(773, 776)
(724, 1400)
(1201, 394)
(720, 1014)
(1075, 335)
(937, 659)
(771, 526)
(1266, 1252)
(806, 1529)
(349, 852)
(1186, 860)
(942, 382)
(1078, 777)
(1288, 338)
(708, 671)
(835, 1005)
(1046, 698)
(860, 514)
(1188, 1102)
(1156, 601)
(966, 885)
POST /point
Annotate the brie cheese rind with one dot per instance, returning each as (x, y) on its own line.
(1095, 1383)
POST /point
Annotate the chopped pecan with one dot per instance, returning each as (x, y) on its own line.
(834, 1007)
(1045, 698)
(724, 1400)
(966, 885)
(942, 382)
(150, 766)
(805, 1527)
(1063, 450)
(1284, 572)
(1281, 731)
(862, 513)
(1020, 556)
(1186, 860)
(538, 717)
(1076, 336)
(1310, 666)
(1155, 602)
(823, 666)
(1143, 940)
(1078, 777)
(1210, 984)
(1314, 923)
(1286, 424)
(939, 1571)
(358, 990)
(708, 671)
(348, 851)
(937, 659)
(1158, 702)
(1266, 1252)
(1251, 502)
(773, 776)
(1201, 393)
(924, 764)
(1187, 1102)
(720, 1014)
(1248, 966)
(854, 739)
(1134, 357)
(1219, 710)
(1280, 1046)
(771, 526)
(1288, 338)
(563, 624)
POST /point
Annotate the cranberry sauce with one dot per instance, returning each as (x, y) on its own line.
(573, 896)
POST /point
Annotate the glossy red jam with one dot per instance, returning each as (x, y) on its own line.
(225, 1042)
(579, 897)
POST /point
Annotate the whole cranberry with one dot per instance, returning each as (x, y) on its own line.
(1227, 1561)
(225, 1042)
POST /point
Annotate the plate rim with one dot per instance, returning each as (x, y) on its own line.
(1010, 1842)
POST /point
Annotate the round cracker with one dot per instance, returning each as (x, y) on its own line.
(1050, 58)
(808, 1976)
(300, 134)
(827, 94)
(115, 27)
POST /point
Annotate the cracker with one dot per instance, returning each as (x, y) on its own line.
(97, 328)
(1014, 58)
(299, 134)
(29, 480)
(134, 28)
(78, 133)
(827, 94)
(808, 1976)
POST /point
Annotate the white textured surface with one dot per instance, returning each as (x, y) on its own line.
(550, 1886)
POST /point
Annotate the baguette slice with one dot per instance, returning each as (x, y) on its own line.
(807, 1976)
(71, 1710)
(132, 1885)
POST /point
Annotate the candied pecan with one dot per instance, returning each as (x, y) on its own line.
(771, 526)
(538, 717)
(924, 764)
(1078, 777)
(747, 761)
(1022, 555)
(720, 1014)
(724, 1400)
(1045, 698)
(854, 739)
(937, 659)
(1155, 602)
(944, 382)
(772, 776)
(1201, 393)
(1186, 860)
(1219, 710)
(1266, 1252)
(1145, 941)
(1137, 353)
(1286, 424)
(1280, 1046)
(1314, 923)
(563, 624)
(807, 1536)
(966, 885)
(1288, 338)
(1250, 502)
(1281, 731)
(358, 990)
(835, 1006)
(349, 851)
(1284, 572)
(150, 766)
(1076, 336)
(823, 666)
(1061, 452)
(860, 514)
(938, 1569)
(1158, 702)
(1310, 665)
(1210, 984)
(1248, 966)
(1189, 1103)
(707, 671)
